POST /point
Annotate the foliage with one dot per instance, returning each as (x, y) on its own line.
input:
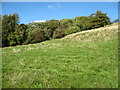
(65, 23)
(37, 35)
(8, 28)
(95, 20)
(20, 33)
(99, 18)
(29, 30)
(48, 32)
(51, 25)
(71, 29)
(82, 22)
(58, 33)
(17, 34)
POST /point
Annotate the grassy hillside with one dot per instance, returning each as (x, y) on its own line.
(87, 59)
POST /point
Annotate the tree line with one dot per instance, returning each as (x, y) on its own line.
(14, 33)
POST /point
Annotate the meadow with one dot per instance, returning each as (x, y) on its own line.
(87, 59)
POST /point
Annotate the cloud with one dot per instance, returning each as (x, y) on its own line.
(50, 6)
(56, 6)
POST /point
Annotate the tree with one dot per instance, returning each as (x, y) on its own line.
(58, 33)
(20, 33)
(51, 25)
(29, 30)
(14, 33)
(37, 35)
(71, 29)
(82, 22)
(65, 23)
(5, 30)
(8, 28)
(100, 19)
(48, 32)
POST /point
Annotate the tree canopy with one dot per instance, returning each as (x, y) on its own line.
(14, 33)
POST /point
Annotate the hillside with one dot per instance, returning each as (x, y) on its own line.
(85, 59)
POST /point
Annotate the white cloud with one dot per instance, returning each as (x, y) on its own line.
(50, 6)
(56, 6)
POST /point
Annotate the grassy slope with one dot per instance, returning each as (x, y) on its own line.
(86, 60)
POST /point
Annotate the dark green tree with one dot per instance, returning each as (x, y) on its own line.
(8, 28)
(99, 19)
(20, 33)
(5, 30)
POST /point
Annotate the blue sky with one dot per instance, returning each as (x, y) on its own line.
(33, 11)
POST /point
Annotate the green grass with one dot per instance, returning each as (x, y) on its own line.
(81, 60)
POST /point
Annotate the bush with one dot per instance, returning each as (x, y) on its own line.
(66, 23)
(58, 33)
(72, 29)
(48, 32)
(52, 23)
(37, 35)
(50, 27)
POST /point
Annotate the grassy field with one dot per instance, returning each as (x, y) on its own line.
(87, 59)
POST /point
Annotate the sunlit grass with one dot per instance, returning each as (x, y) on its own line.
(88, 60)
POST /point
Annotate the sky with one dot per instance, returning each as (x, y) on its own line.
(34, 11)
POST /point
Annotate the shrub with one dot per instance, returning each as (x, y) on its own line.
(52, 23)
(50, 27)
(58, 33)
(66, 23)
(37, 35)
(72, 29)
(48, 32)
